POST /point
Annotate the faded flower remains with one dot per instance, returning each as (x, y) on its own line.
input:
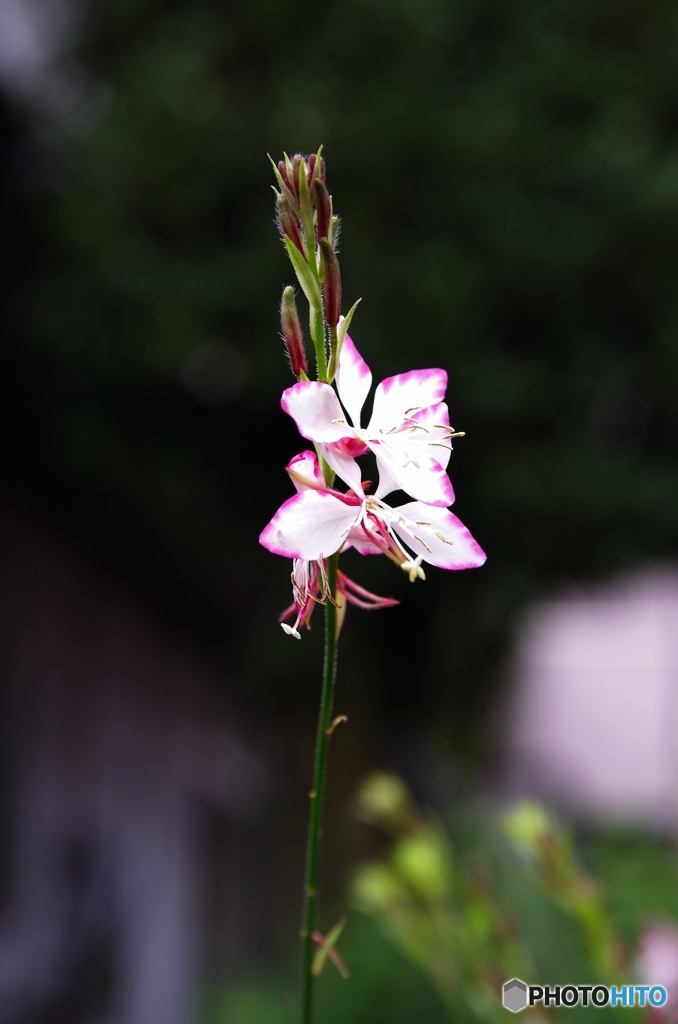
(408, 432)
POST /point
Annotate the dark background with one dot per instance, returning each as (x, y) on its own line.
(508, 183)
(507, 178)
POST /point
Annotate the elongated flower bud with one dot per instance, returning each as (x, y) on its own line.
(310, 168)
(323, 205)
(283, 173)
(288, 222)
(292, 332)
(298, 165)
(331, 283)
(335, 225)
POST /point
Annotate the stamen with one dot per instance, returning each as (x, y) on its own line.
(422, 542)
(339, 419)
(414, 408)
(443, 539)
(414, 569)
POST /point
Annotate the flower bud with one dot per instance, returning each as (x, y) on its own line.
(335, 225)
(424, 861)
(292, 332)
(283, 173)
(298, 165)
(323, 205)
(331, 283)
(383, 798)
(289, 224)
(305, 201)
(310, 168)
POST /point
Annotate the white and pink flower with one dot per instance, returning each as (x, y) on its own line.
(309, 576)
(318, 521)
(409, 433)
(314, 524)
(409, 429)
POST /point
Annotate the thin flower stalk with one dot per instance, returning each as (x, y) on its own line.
(333, 509)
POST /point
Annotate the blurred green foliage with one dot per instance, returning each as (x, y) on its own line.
(507, 175)
(453, 920)
(456, 905)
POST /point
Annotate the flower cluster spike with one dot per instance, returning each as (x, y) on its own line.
(409, 431)
(309, 230)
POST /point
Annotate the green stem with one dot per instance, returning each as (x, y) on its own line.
(334, 353)
(317, 795)
(318, 335)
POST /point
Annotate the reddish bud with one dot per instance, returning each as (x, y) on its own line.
(283, 173)
(323, 205)
(331, 283)
(293, 335)
(289, 224)
(310, 167)
(297, 165)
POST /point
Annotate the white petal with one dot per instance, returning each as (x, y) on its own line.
(431, 427)
(310, 525)
(438, 536)
(315, 409)
(401, 396)
(305, 472)
(387, 482)
(414, 472)
(353, 380)
(345, 466)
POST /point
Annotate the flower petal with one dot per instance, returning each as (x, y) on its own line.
(438, 536)
(310, 525)
(431, 427)
(401, 396)
(417, 474)
(359, 539)
(305, 472)
(345, 466)
(315, 409)
(353, 380)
